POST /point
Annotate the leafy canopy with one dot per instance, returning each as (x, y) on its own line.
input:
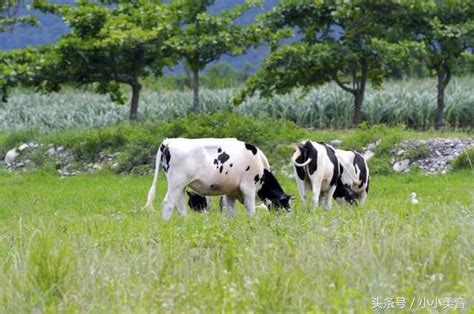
(346, 41)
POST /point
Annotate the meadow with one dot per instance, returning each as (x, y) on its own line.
(83, 244)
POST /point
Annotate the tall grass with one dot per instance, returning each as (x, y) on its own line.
(411, 102)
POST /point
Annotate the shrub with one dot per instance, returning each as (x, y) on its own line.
(465, 160)
(420, 151)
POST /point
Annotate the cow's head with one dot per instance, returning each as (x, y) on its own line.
(197, 202)
(272, 194)
(345, 193)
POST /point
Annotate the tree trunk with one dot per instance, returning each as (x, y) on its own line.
(195, 83)
(358, 101)
(444, 75)
(136, 87)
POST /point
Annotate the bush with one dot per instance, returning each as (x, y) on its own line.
(465, 160)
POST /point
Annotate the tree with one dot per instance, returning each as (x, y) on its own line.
(10, 71)
(447, 30)
(350, 43)
(203, 37)
(109, 46)
(8, 15)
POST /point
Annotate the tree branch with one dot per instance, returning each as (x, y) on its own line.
(341, 85)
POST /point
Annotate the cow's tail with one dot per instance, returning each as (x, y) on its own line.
(296, 155)
(152, 192)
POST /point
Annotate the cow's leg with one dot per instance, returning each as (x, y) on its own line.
(362, 197)
(301, 186)
(181, 204)
(175, 197)
(168, 204)
(248, 195)
(208, 204)
(229, 203)
(316, 189)
(329, 195)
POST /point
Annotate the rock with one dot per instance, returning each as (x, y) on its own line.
(22, 147)
(51, 151)
(401, 166)
(11, 155)
(335, 142)
(368, 154)
(115, 167)
(441, 152)
(371, 147)
(400, 152)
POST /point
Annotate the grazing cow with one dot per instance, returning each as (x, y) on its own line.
(316, 169)
(215, 166)
(355, 174)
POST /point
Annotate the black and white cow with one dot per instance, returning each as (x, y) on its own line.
(316, 169)
(355, 174)
(215, 166)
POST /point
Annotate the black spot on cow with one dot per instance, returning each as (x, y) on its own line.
(251, 148)
(216, 162)
(300, 170)
(166, 157)
(221, 168)
(226, 172)
(256, 178)
(219, 150)
(272, 191)
(231, 165)
(162, 147)
(248, 168)
(332, 157)
(308, 151)
(359, 161)
(197, 202)
(223, 157)
(367, 187)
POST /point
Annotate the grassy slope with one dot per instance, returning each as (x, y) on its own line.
(82, 244)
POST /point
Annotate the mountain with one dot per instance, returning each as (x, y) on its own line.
(51, 28)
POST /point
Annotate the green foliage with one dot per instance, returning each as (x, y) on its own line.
(109, 46)
(9, 16)
(220, 75)
(446, 28)
(418, 152)
(82, 244)
(49, 265)
(371, 41)
(202, 37)
(89, 145)
(465, 160)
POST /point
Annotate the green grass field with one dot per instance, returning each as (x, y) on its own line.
(82, 244)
